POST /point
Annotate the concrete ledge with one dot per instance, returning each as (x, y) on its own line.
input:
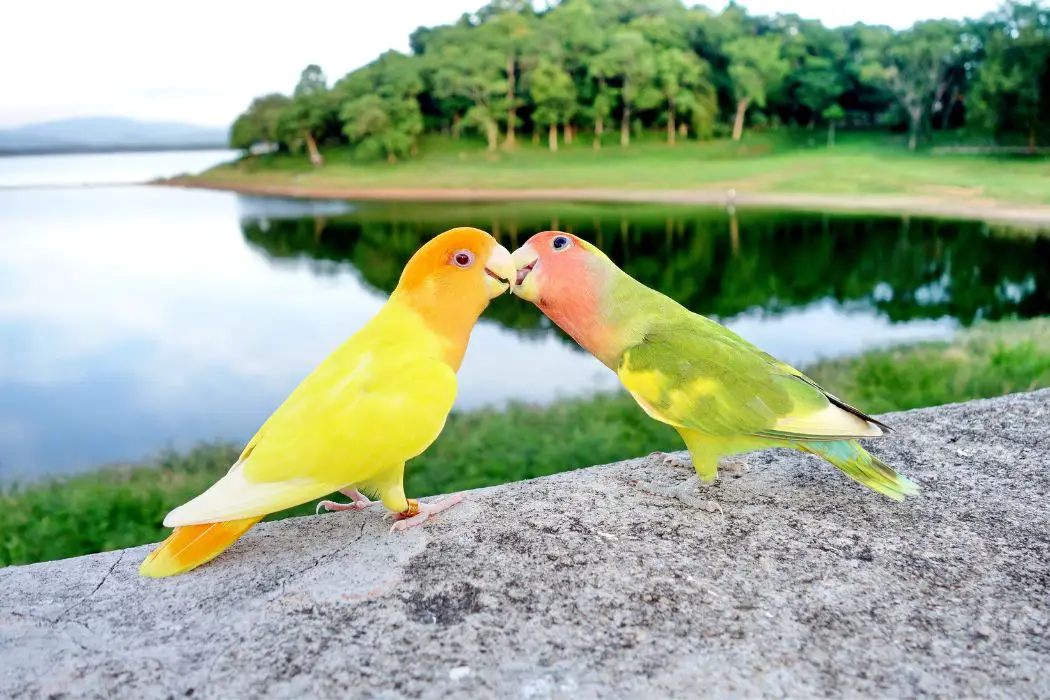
(582, 586)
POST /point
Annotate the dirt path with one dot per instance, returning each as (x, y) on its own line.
(939, 206)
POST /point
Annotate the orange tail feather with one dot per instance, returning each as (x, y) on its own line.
(190, 546)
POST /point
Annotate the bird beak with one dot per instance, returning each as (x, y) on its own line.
(525, 260)
(499, 271)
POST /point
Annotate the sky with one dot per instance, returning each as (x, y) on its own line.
(202, 62)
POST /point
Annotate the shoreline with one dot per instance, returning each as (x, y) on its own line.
(989, 211)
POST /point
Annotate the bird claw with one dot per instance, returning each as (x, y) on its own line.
(425, 511)
(334, 506)
(683, 492)
(358, 501)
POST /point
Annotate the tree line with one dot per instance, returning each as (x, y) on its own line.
(612, 68)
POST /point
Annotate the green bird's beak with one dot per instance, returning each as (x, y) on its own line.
(525, 259)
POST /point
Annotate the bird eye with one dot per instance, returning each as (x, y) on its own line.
(561, 242)
(463, 258)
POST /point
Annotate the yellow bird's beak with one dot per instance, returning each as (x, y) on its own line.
(499, 272)
(524, 260)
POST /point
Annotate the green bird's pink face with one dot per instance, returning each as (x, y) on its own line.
(568, 279)
(546, 265)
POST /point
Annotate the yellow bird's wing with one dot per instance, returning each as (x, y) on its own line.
(338, 427)
(706, 379)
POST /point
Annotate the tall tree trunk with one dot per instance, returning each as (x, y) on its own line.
(456, 125)
(831, 133)
(512, 108)
(670, 123)
(913, 130)
(315, 155)
(947, 112)
(738, 123)
(567, 131)
(535, 137)
(599, 129)
(492, 133)
(625, 125)
(683, 129)
(552, 136)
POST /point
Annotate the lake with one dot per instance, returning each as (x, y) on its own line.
(134, 318)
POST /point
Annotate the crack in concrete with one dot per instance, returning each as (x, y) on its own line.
(93, 592)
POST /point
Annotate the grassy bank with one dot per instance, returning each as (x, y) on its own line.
(120, 507)
(775, 163)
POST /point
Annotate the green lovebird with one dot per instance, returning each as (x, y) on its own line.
(722, 394)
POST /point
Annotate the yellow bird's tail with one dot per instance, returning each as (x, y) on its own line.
(190, 546)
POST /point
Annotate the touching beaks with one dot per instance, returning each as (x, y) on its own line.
(500, 272)
(524, 259)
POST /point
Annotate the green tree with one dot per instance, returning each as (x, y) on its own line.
(258, 125)
(380, 107)
(631, 61)
(554, 94)
(309, 114)
(508, 29)
(684, 84)
(819, 86)
(914, 67)
(833, 114)
(472, 70)
(1013, 88)
(755, 69)
(573, 36)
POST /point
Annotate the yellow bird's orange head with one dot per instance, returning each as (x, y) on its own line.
(452, 277)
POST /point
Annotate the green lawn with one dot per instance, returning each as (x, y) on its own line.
(787, 161)
(123, 506)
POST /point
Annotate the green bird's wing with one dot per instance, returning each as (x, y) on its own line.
(693, 373)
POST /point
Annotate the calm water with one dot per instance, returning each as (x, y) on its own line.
(134, 318)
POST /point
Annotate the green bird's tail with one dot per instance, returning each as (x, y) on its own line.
(864, 467)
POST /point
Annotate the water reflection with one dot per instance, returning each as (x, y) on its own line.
(727, 265)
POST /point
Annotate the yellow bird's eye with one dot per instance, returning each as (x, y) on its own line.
(463, 258)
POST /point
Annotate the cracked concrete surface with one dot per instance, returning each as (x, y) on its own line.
(583, 586)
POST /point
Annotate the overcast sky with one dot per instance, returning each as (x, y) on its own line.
(202, 61)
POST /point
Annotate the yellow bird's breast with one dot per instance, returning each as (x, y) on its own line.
(377, 400)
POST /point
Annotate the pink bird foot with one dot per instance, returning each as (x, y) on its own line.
(686, 492)
(418, 512)
(358, 501)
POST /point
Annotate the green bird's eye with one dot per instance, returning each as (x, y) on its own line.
(561, 242)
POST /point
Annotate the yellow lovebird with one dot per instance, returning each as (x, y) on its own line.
(722, 394)
(378, 400)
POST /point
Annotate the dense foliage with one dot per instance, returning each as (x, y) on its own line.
(621, 66)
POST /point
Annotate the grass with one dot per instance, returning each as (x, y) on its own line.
(123, 506)
(788, 161)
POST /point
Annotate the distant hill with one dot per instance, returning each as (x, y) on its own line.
(83, 134)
